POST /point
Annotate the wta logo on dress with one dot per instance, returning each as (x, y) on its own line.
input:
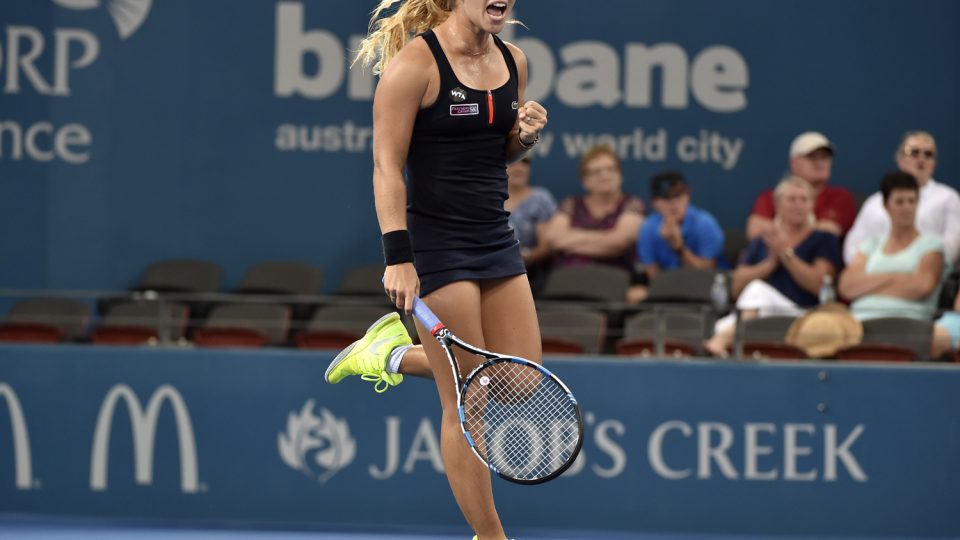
(318, 446)
(127, 15)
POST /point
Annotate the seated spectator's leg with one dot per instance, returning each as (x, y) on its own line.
(767, 300)
(723, 332)
(946, 334)
(758, 299)
(636, 294)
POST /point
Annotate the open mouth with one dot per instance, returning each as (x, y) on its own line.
(497, 9)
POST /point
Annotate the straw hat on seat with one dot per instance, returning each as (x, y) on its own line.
(822, 331)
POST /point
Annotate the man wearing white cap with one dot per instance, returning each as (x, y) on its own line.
(938, 209)
(811, 158)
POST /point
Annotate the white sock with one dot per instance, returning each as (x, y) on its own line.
(396, 355)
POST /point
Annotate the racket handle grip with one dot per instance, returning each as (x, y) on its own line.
(426, 317)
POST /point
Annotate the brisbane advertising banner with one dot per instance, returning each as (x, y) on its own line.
(814, 449)
(132, 131)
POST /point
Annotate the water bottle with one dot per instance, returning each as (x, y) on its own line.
(826, 290)
(719, 294)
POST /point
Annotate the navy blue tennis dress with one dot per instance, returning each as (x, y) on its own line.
(457, 180)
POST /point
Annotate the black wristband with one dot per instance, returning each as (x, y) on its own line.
(397, 247)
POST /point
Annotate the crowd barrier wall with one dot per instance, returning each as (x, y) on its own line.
(257, 437)
(236, 131)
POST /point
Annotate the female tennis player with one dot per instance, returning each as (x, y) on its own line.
(449, 109)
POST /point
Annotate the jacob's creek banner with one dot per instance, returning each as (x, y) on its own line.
(237, 132)
(812, 449)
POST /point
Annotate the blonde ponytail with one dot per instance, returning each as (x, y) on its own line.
(388, 35)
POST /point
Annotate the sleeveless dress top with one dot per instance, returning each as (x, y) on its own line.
(456, 180)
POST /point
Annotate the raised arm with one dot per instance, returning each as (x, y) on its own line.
(531, 116)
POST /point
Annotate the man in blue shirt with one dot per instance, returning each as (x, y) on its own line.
(678, 233)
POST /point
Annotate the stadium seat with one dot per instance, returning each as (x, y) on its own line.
(772, 350)
(876, 351)
(245, 325)
(683, 331)
(173, 276)
(281, 277)
(181, 275)
(284, 278)
(681, 285)
(43, 318)
(29, 333)
(337, 325)
(134, 323)
(763, 338)
(913, 334)
(572, 330)
(734, 242)
(647, 347)
(363, 280)
(594, 282)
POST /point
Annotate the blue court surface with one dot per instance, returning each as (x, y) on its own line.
(29, 528)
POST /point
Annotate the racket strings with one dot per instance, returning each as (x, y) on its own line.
(524, 423)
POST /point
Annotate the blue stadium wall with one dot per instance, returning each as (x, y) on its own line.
(812, 449)
(236, 132)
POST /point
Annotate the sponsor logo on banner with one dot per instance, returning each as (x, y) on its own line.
(708, 82)
(144, 427)
(43, 60)
(21, 438)
(318, 446)
(789, 452)
(128, 15)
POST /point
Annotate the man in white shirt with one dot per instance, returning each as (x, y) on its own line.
(938, 210)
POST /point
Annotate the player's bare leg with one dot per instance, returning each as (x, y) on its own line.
(459, 306)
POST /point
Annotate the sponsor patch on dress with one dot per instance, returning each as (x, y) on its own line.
(465, 109)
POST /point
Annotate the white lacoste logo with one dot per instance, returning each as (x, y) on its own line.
(465, 109)
(128, 15)
(326, 436)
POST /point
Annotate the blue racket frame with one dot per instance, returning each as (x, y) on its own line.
(447, 339)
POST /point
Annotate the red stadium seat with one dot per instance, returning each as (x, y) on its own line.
(30, 333)
(556, 345)
(229, 337)
(647, 347)
(326, 339)
(123, 335)
(885, 352)
(772, 350)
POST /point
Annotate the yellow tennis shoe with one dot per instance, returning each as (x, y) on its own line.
(369, 355)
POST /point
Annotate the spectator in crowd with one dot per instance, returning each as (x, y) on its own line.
(677, 234)
(899, 273)
(782, 270)
(811, 158)
(531, 208)
(938, 211)
(946, 333)
(601, 226)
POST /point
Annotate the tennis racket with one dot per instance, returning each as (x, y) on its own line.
(517, 416)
